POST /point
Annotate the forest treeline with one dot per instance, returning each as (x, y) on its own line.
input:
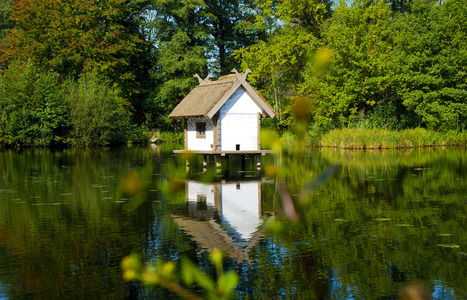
(95, 72)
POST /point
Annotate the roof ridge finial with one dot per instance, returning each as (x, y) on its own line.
(200, 80)
(207, 78)
(240, 76)
(248, 71)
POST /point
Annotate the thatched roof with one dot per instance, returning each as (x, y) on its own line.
(210, 235)
(209, 96)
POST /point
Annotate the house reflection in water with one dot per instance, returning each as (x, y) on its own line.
(224, 215)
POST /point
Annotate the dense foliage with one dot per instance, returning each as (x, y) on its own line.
(32, 109)
(97, 113)
(4, 17)
(38, 111)
(376, 64)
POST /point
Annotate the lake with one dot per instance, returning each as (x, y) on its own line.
(369, 222)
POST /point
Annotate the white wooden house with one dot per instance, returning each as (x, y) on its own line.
(223, 115)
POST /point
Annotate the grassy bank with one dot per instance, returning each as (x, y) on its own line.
(386, 139)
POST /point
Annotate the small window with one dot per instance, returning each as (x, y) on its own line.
(200, 130)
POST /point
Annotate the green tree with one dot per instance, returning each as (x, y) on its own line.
(192, 36)
(179, 38)
(70, 37)
(307, 14)
(32, 109)
(294, 30)
(277, 64)
(383, 64)
(359, 74)
(97, 112)
(432, 55)
(223, 24)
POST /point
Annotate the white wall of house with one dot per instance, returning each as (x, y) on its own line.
(239, 122)
(241, 207)
(239, 210)
(196, 191)
(195, 143)
(197, 188)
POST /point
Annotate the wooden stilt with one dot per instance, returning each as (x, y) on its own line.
(218, 161)
(226, 163)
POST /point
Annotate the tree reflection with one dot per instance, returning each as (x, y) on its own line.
(378, 221)
(62, 232)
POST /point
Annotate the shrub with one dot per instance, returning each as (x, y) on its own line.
(97, 113)
(317, 131)
(32, 109)
(139, 134)
(171, 137)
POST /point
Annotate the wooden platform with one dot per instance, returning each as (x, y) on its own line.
(225, 153)
(220, 155)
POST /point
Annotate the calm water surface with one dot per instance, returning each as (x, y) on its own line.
(372, 222)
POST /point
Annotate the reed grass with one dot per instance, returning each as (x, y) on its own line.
(171, 137)
(386, 139)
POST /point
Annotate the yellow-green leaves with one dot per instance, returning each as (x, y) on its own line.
(227, 283)
(181, 280)
(131, 266)
(192, 274)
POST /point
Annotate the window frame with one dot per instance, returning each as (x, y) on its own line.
(200, 130)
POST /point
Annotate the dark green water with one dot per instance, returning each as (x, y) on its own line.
(371, 223)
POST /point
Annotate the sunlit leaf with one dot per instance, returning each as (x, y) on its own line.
(167, 269)
(132, 184)
(274, 225)
(191, 273)
(131, 266)
(150, 276)
(217, 258)
(228, 281)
